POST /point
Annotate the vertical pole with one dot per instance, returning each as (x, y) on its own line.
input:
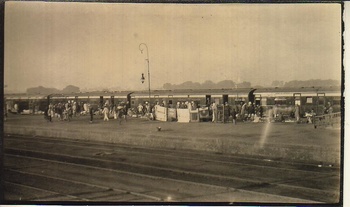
(149, 85)
(48, 100)
(149, 76)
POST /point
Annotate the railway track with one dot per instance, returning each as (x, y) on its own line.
(141, 174)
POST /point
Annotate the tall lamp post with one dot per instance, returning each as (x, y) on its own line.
(149, 77)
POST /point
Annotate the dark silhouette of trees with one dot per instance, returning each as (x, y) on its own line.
(71, 89)
(244, 84)
(208, 84)
(277, 83)
(167, 86)
(312, 83)
(43, 90)
(225, 84)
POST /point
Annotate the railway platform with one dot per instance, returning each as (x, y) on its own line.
(276, 141)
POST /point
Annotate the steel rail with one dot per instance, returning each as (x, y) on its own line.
(190, 156)
(184, 172)
(225, 189)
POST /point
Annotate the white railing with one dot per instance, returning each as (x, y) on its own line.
(327, 119)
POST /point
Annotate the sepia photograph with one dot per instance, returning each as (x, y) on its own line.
(173, 103)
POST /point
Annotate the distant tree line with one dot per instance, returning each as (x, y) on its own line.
(207, 85)
(227, 84)
(307, 83)
(43, 90)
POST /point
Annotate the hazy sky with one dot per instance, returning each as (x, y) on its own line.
(94, 45)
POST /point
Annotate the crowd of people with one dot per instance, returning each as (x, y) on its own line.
(255, 113)
(142, 109)
(226, 113)
(243, 112)
(149, 110)
(66, 111)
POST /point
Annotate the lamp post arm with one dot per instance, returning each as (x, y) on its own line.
(140, 48)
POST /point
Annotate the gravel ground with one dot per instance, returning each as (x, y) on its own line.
(289, 140)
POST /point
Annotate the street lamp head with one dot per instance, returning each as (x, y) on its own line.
(142, 78)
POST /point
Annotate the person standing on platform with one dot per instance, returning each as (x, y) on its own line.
(114, 112)
(330, 108)
(269, 114)
(193, 105)
(227, 112)
(234, 116)
(69, 112)
(243, 111)
(91, 111)
(297, 112)
(59, 112)
(148, 107)
(105, 112)
(250, 110)
(86, 107)
(140, 110)
(275, 110)
(46, 113)
(215, 112)
(261, 111)
(74, 109)
(50, 112)
(16, 108)
(125, 112)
